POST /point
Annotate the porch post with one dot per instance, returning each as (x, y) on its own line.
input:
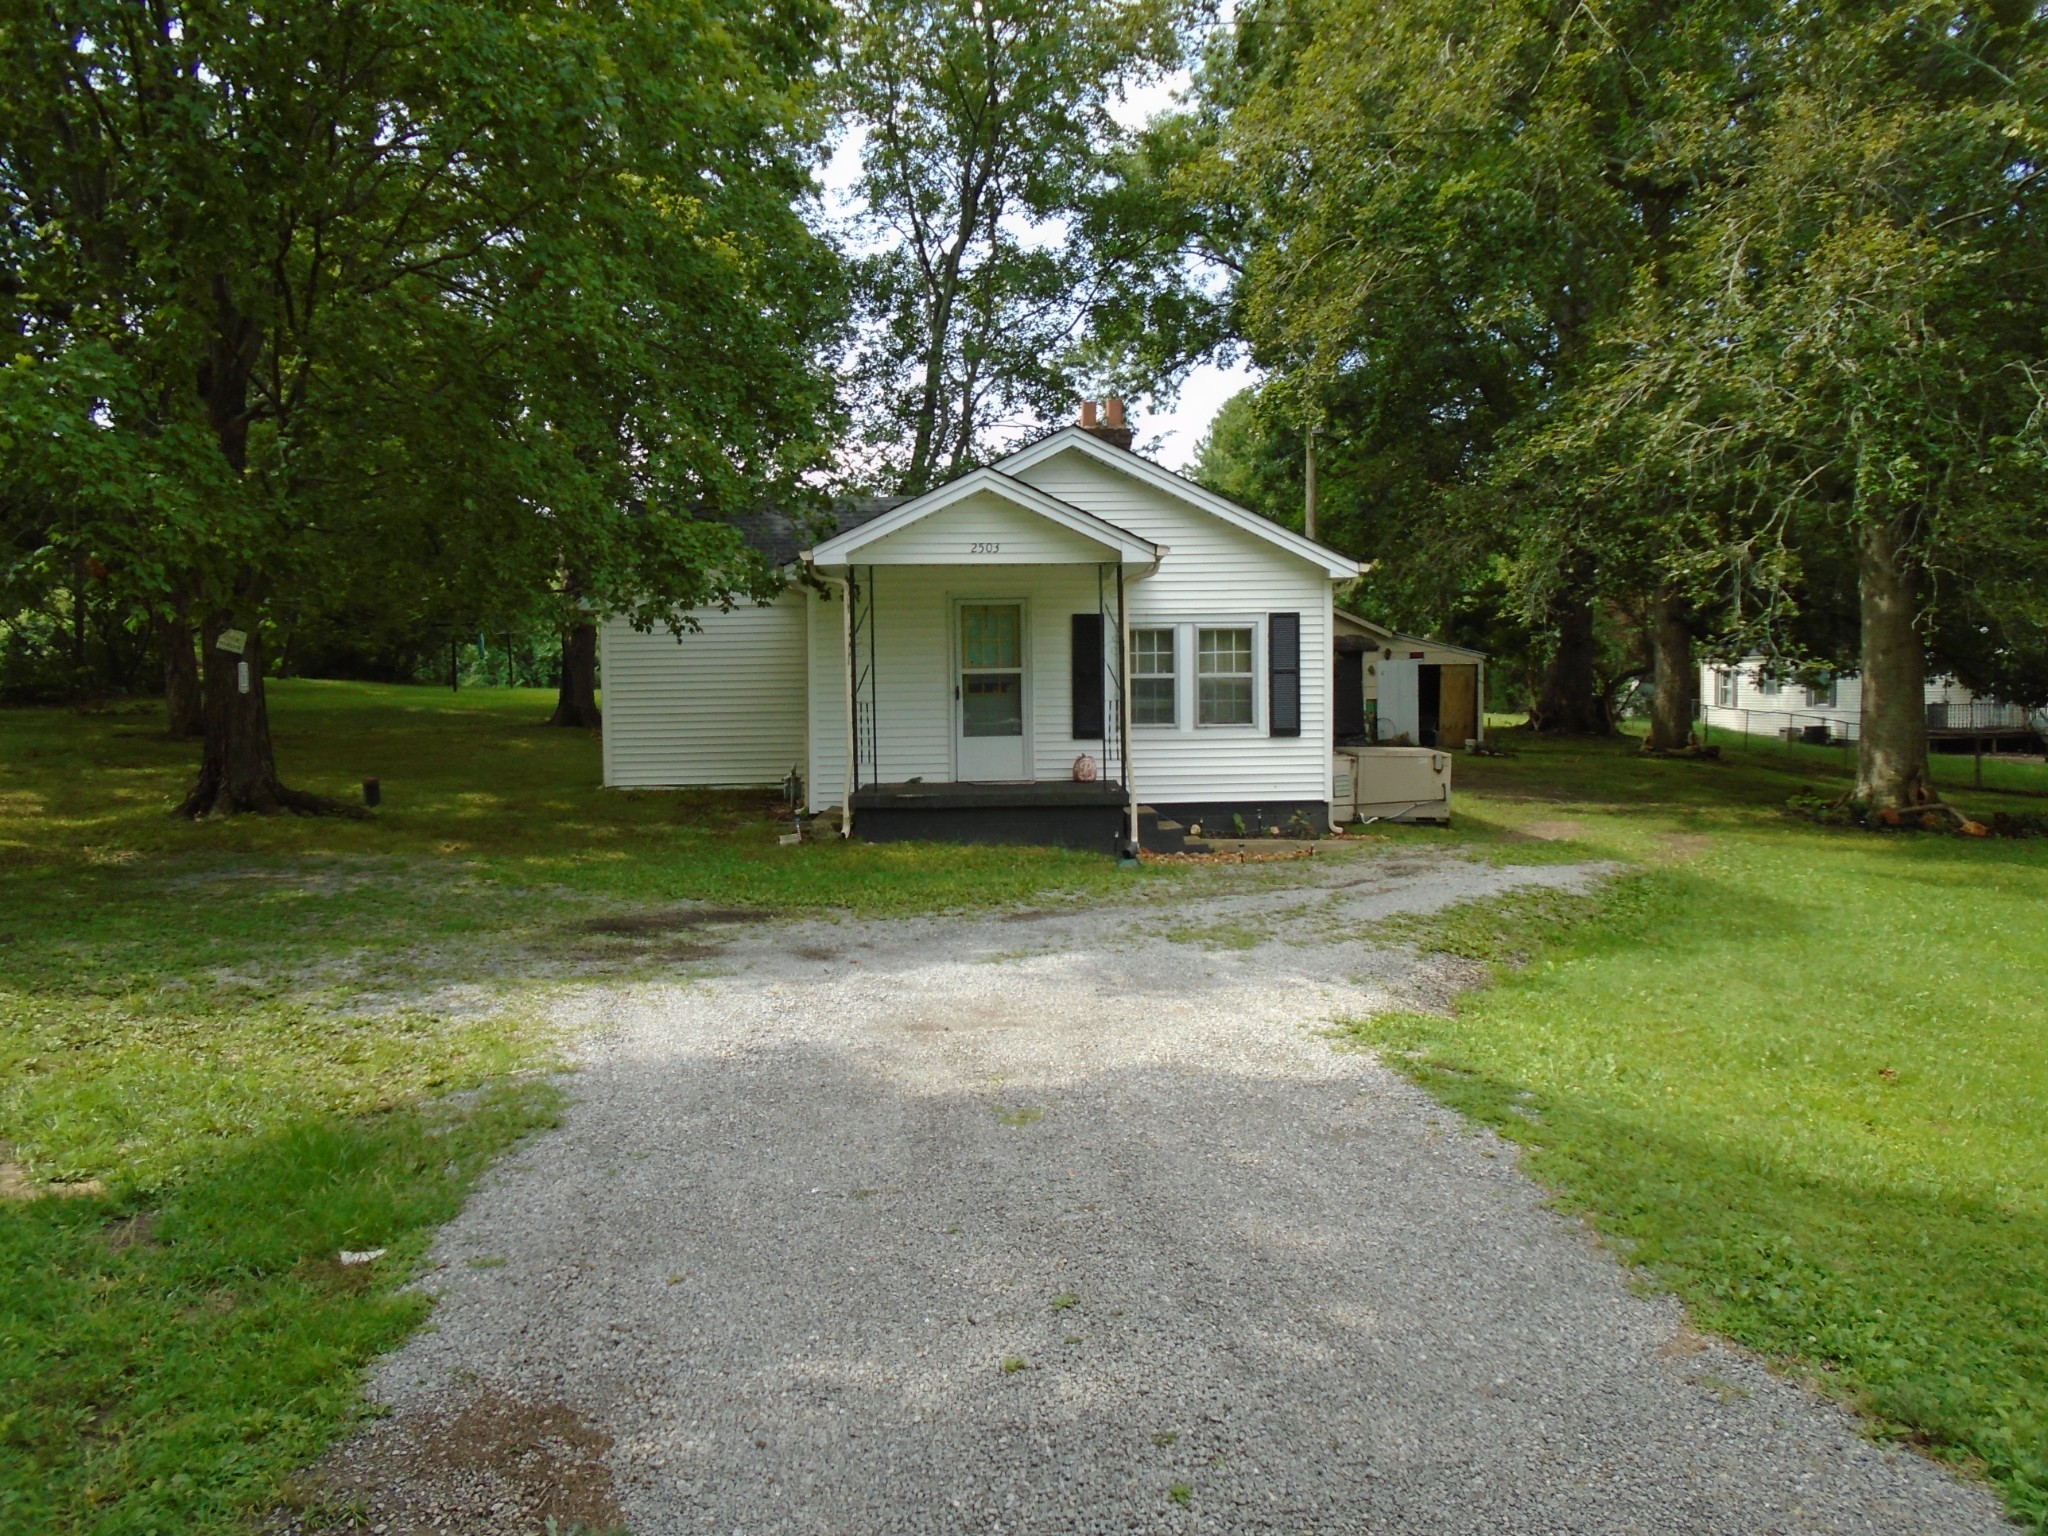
(851, 773)
(1123, 705)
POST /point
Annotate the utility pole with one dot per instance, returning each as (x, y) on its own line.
(1308, 500)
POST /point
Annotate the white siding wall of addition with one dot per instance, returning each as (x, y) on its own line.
(982, 529)
(723, 705)
(825, 778)
(1214, 574)
(915, 662)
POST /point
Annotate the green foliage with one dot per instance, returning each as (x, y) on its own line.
(425, 307)
(1792, 1070)
(985, 128)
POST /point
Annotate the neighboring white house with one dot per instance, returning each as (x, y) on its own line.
(948, 665)
(1746, 698)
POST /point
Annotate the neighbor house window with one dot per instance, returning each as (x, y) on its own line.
(1724, 689)
(1152, 679)
(1767, 685)
(1223, 677)
(1821, 695)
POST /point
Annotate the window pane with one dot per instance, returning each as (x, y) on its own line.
(992, 704)
(1225, 701)
(989, 635)
(1224, 652)
(1152, 652)
(1223, 671)
(1152, 700)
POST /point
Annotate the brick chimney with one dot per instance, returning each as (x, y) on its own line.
(1112, 428)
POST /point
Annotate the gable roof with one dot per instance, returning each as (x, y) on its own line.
(1075, 439)
(1383, 634)
(841, 546)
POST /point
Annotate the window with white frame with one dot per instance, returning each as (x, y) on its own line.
(1724, 688)
(1821, 695)
(1153, 679)
(1766, 684)
(1223, 676)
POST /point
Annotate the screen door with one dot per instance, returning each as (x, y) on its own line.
(989, 713)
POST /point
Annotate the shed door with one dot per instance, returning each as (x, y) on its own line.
(988, 710)
(1400, 698)
(1458, 707)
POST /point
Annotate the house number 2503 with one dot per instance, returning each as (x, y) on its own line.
(984, 549)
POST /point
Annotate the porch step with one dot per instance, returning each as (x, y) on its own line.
(1160, 834)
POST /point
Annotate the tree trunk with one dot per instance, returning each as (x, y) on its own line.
(576, 700)
(183, 707)
(1891, 750)
(1571, 702)
(1677, 679)
(236, 769)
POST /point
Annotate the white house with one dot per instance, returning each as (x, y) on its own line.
(1748, 699)
(1073, 644)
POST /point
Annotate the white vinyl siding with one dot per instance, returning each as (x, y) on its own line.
(982, 529)
(1214, 575)
(723, 705)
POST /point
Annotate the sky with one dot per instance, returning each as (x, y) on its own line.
(1168, 433)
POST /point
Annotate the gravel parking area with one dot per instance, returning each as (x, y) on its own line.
(1070, 1222)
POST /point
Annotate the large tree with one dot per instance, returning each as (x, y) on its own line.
(1438, 208)
(982, 130)
(1844, 372)
(498, 296)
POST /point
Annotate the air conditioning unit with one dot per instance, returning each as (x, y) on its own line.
(1392, 784)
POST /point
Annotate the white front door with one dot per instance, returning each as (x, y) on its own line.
(988, 710)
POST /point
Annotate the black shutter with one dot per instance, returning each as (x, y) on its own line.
(1087, 677)
(1283, 671)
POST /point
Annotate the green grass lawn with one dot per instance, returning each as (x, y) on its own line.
(259, 1042)
(1799, 1074)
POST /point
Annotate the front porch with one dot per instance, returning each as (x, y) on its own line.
(978, 650)
(1059, 812)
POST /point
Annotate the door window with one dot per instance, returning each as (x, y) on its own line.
(991, 669)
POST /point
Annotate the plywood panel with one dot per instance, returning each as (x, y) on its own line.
(1458, 709)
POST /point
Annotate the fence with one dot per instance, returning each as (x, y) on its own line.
(1794, 728)
(1981, 715)
(1801, 734)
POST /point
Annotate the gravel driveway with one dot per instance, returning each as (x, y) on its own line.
(1069, 1222)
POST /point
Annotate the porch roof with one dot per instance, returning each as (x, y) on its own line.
(1075, 536)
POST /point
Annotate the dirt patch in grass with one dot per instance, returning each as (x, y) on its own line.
(1556, 829)
(138, 1231)
(496, 1464)
(641, 925)
(15, 1184)
(1685, 845)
